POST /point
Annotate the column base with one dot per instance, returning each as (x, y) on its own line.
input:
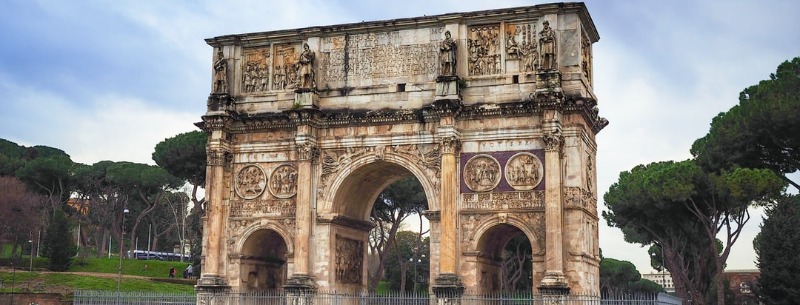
(554, 283)
(212, 290)
(447, 88)
(448, 288)
(300, 283)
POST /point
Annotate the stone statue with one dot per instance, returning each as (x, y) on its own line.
(547, 43)
(306, 73)
(220, 73)
(447, 55)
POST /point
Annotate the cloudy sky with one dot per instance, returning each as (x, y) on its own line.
(107, 80)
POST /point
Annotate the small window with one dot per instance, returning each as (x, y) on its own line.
(515, 79)
(401, 87)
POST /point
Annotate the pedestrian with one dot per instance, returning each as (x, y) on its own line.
(190, 270)
(172, 272)
(185, 273)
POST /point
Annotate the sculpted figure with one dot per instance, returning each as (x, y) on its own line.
(547, 43)
(447, 55)
(220, 73)
(306, 68)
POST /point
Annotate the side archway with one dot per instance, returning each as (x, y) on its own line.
(505, 259)
(263, 260)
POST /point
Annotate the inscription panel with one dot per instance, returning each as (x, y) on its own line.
(380, 55)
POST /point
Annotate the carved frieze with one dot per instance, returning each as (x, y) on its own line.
(283, 181)
(483, 44)
(469, 223)
(482, 173)
(521, 45)
(579, 198)
(524, 171)
(378, 55)
(246, 208)
(250, 181)
(503, 201)
(255, 70)
(349, 260)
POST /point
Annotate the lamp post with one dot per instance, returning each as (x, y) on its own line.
(121, 242)
(30, 268)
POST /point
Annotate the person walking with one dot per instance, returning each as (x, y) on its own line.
(172, 272)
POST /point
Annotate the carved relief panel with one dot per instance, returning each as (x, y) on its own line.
(524, 171)
(250, 182)
(349, 260)
(503, 200)
(586, 57)
(521, 46)
(482, 173)
(283, 182)
(483, 45)
(255, 70)
(286, 64)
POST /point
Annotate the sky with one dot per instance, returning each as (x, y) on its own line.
(108, 80)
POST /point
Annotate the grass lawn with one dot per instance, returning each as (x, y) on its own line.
(37, 281)
(148, 268)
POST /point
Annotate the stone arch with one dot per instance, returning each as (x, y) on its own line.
(514, 221)
(492, 239)
(263, 259)
(380, 172)
(249, 230)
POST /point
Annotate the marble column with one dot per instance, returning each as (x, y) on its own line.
(219, 158)
(307, 153)
(554, 281)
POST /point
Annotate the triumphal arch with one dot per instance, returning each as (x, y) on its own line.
(492, 111)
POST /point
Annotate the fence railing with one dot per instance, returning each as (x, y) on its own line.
(86, 297)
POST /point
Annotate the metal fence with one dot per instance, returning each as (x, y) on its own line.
(84, 297)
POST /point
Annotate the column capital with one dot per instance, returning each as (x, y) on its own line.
(307, 151)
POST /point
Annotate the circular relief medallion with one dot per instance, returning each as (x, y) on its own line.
(524, 171)
(283, 181)
(250, 182)
(482, 173)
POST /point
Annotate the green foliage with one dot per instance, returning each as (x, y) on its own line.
(777, 246)
(404, 196)
(617, 276)
(11, 149)
(646, 286)
(762, 131)
(50, 176)
(58, 244)
(409, 256)
(184, 156)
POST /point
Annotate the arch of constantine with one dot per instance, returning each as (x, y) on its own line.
(493, 112)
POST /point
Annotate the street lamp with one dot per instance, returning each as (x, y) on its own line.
(121, 242)
(30, 241)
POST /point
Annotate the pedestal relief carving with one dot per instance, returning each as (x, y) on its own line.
(524, 171)
(589, 174)
(503, 201)
(482, 173)
(349, 259)
(283, 181)
(256, 72)
(250, 182)
(484, 50)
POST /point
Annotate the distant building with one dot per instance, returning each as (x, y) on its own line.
(741, 283)
(664, 279)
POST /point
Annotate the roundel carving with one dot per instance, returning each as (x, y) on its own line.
(250, 182)
(524, 171)
(482, 173)
(283, 181)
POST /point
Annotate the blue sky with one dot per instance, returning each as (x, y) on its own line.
(107, 80)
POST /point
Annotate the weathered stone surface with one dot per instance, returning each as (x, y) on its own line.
(307, 126)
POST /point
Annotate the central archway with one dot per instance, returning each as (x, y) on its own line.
(357, 188)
